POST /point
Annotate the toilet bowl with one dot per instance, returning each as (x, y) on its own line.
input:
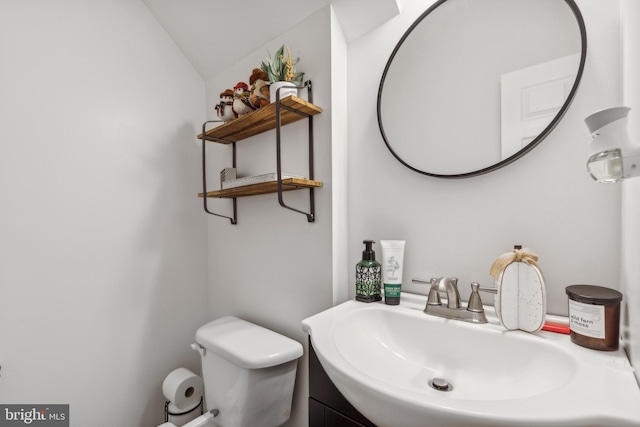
(248, 372)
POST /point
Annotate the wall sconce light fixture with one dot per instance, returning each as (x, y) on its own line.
(612, 156)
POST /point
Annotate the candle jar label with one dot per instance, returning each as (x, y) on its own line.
(587, 319)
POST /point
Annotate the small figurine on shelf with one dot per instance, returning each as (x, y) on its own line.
(241, 104)
(259, 94)
(224, 109)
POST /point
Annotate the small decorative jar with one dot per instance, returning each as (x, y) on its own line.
(594, 316)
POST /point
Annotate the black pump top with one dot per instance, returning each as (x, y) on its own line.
(368, 254)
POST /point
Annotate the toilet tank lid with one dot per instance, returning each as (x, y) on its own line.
(247, 345)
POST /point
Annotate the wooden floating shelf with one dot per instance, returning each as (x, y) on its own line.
(288, 184)
(261, 120)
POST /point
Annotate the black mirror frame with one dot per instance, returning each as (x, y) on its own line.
(545, 132)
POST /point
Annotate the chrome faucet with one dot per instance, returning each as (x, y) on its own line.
(450, 286)
(474, 312)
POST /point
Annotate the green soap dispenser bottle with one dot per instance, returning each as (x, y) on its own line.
(368, 275)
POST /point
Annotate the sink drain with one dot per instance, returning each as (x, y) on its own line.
(440, 384)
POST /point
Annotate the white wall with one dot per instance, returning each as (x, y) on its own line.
(274, 268)
(545, 201)
(102, 242)
(630, 277)
(339, 162)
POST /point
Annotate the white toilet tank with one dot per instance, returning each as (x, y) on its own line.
(248, 371)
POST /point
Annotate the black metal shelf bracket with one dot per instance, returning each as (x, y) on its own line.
(167, 412)
(234, 218)
(311, 214)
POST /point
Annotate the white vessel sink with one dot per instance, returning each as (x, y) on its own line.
(382, 358)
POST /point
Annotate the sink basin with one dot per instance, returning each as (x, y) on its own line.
(382, 359)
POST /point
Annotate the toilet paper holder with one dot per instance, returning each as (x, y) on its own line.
(167, 412)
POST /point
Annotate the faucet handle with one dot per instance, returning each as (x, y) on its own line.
(434, 296)
(475, 303)
(488, 290)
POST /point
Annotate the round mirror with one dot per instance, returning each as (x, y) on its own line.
(473, 85)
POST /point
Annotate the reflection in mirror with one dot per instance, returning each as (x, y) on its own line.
(475, 84)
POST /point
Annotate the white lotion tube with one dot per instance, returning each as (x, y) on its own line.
(392, 263)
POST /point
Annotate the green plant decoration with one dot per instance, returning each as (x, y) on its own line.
(279, 69)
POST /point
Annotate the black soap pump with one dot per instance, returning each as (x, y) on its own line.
(368, 275)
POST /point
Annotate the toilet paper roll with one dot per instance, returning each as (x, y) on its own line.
(183, 388)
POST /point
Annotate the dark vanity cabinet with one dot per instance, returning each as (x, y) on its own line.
(327, 406)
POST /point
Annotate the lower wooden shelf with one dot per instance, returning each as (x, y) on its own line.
(288, 184)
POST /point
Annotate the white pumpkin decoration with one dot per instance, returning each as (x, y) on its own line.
(520, 301)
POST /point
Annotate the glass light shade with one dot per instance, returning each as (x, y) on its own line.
(606, 166)
(612, 155)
